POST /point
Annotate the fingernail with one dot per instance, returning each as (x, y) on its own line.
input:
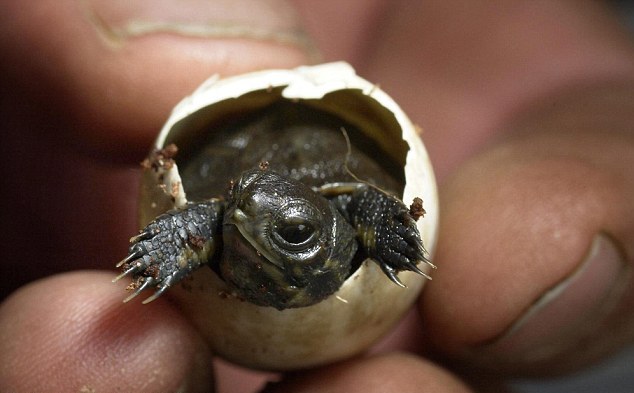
(266, 20)
(569, 311)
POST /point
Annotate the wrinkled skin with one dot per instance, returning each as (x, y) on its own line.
(527, 110)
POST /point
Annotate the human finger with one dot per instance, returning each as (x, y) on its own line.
(537, 241)
(395, 372)
(462, 69)
(113, 70)
(70, 332)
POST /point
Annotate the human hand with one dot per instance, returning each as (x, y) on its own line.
(527, 182)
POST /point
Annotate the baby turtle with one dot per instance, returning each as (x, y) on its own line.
(255, 174)
(278, 213)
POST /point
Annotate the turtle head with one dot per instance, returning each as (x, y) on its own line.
(284, 244)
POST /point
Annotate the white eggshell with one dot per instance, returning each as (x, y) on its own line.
(368, 304)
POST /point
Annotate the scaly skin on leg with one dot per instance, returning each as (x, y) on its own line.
(172, 246)
(386, 230)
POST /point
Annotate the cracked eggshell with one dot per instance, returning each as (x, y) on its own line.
(368, 304)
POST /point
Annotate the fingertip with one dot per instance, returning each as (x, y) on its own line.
(71, 332)
(395, 372)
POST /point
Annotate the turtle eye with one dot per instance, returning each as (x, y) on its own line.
(296, 227)
(296, 234)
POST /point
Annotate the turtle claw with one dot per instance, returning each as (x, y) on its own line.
(131, 270)
(155, 295)
(170, 248)
(153, 257)
(413, 268)
(144, 235)
(392, 274)
(428, 263)
(132, 256)
(387, 232)
(403, 248)
(146, 283)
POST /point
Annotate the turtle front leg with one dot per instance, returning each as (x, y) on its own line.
(171, 247)
(385, 226)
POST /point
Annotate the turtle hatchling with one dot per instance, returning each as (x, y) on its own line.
(282, 211)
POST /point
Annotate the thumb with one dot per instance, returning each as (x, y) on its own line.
(114, 70)
(537, 240)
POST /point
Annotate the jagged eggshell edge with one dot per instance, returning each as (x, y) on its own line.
(368, 304)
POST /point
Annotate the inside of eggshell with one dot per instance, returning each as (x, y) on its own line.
(353, 106)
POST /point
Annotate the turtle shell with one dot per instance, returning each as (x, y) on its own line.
(368, 304)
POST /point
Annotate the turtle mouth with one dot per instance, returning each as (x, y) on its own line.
(245, 225)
